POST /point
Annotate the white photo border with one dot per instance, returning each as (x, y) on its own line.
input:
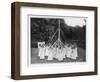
(39, 69)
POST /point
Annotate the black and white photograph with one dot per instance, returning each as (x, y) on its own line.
(55, 40)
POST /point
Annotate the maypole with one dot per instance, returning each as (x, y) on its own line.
(59, 29)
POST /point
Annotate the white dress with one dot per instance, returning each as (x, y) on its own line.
(66, 50)
(54, 52)
(46, 51)
(41, 48)
(50, 55)
(60, 55)
(42, 53)
(63, 53)
(74, 54)
(69, 51)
